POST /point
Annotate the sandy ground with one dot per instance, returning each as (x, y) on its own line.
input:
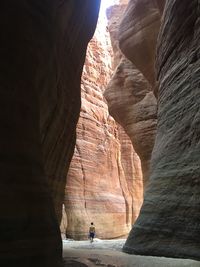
(108, 253)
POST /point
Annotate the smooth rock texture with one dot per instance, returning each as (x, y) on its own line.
(42, 52)
(169, 222)
(104, 183)
(138, 35)
(60, 114)
(114, 14)
(131, 165)
(161, 5)
(107, 253)
(129, 95)
(132, 103)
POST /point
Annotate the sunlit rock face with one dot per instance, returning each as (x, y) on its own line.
(123, 2)
(131, 165)
(105, 171)
(168, 224)
(42, 52)
(129, 94)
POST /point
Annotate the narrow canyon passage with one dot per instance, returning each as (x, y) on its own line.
(108, 134)
(106, 177)
(105, 181)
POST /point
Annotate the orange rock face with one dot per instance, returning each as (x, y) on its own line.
(131, 166)
(105, 169)
(114, 14)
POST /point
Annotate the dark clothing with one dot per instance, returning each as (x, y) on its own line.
(92, 235)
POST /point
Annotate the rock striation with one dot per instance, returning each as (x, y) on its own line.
(43, 45)
(138, 33)
(129, 93)
(168, 224)
(104, 182)
(134, 106)
(114, 14)
(132, 170)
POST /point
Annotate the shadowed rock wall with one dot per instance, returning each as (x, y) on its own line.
(42, 52)
(134, 106)
(169, 222)
(138, 33)
(129, 93)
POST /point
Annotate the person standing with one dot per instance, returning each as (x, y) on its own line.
(91, 232)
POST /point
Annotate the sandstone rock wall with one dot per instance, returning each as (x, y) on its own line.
(104, 183)
(134, 106)
(60, 105)
(114, 15)
(93, 191)
(129, 93)
(168, 224)
(131, 166)
(42, 51)
(138, 35)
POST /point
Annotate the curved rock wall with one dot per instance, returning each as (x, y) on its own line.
(42, 52)
(138, 33)
(93, 190)
(129, 94)
(114, 14)
(131, 166)
(168, 224)
(104, 183)
(61, 99)
(134, 106)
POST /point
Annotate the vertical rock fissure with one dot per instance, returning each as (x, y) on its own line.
(83, 175)
(125, 192)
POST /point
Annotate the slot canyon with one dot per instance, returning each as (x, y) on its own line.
(100, 122)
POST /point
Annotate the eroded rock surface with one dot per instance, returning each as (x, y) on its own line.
(132, 170)
(104, 183)
(129, 94)
(114, 14)
(169, 224)
(42, 52)
(134, 106)
(138, 35)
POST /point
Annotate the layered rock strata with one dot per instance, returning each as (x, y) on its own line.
(134, 106)
(131, 166)
(138, 33)
(104, 183)
(129, 93)
(42, 51)
(168, 224)
(114, 14)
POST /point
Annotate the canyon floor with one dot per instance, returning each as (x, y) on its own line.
(108, 253)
